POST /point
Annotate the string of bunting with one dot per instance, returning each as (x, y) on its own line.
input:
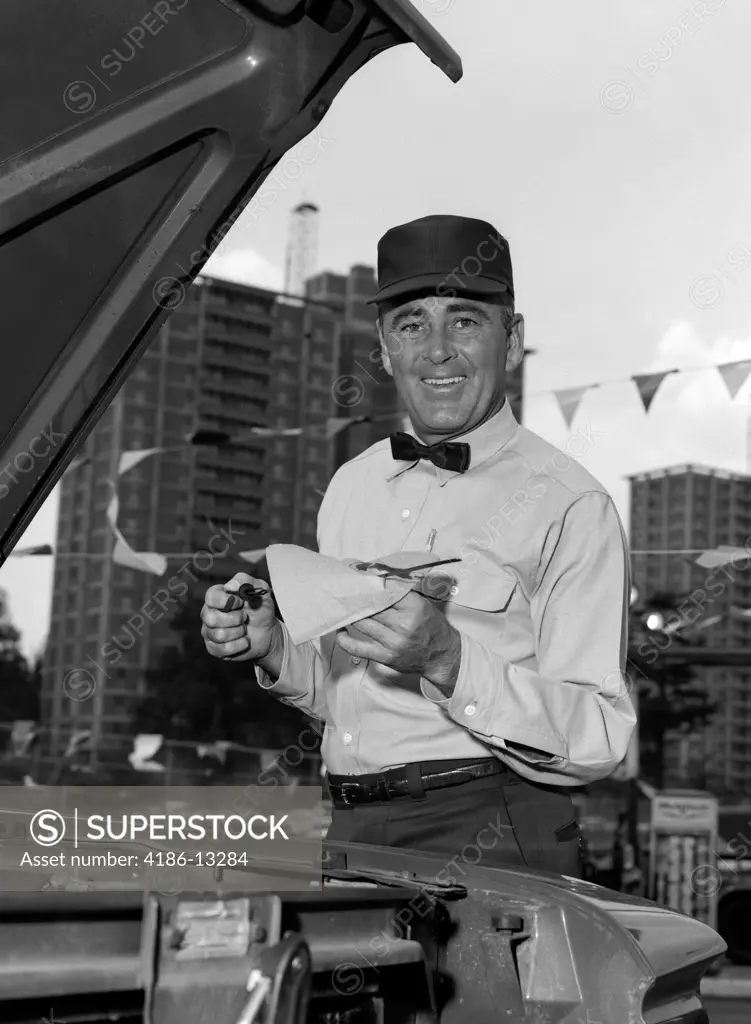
(218, 438)
(147, 747)
(734, 375)
(153, 562)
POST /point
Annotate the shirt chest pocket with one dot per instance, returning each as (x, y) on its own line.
(469, 589)
(474, 602)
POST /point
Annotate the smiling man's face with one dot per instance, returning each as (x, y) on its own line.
(449, 358)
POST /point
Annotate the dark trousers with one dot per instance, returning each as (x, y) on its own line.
(497, 821)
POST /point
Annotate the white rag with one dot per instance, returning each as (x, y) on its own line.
(317, 594)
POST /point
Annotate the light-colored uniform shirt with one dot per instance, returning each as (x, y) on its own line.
(540, 600)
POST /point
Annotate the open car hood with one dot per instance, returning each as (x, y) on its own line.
(382, 939)
(132, 135)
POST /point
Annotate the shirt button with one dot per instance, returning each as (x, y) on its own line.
(405, 513)
(470, 710)
(347, 738)
(355, 661)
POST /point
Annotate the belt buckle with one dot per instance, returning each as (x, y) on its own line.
(390, 789)
(347, 787)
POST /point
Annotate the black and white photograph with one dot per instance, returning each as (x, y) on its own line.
(375, 512)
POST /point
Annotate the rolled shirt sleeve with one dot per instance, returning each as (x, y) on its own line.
(569, 720)
(304, 666)
(301, 678)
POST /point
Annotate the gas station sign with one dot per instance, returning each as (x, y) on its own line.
(683, 857)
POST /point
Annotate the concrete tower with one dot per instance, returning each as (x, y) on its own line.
(302, 248)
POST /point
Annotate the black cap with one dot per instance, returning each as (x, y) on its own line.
(448, 254)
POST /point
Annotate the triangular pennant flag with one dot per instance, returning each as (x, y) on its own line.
(145, 746)
(276, 431)
(38, 549)
(130, 459)
(648, 384)
(22, 736)
(712, 620)
(723, 555)
(734, 375)
(216, 750)
(81, 460)
(79, 737)
(123, 553)
(268, 759)
(252, 556)
(144, 561)
(336, 424)
(568, 401)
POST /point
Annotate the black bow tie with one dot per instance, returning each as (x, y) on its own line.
(451, 455)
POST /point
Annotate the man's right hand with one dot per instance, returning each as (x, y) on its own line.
(246, 634)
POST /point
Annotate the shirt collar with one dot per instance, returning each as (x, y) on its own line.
(485, 441)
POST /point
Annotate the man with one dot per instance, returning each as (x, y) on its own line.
(463, 715)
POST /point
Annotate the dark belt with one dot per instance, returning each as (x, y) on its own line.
(406, 781)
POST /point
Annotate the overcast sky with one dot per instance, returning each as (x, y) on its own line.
(610, 143)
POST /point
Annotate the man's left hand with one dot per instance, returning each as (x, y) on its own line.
(412, 636)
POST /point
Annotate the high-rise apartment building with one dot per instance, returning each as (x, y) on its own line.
(229, 359)
(209, 369)
(691, 508)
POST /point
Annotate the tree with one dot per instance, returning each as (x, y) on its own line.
(670, 697)
(20, 684)
(193, 696)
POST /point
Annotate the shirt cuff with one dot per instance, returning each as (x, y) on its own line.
(485, 678)
(467, 705)
(431, 692)
(283, 685)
